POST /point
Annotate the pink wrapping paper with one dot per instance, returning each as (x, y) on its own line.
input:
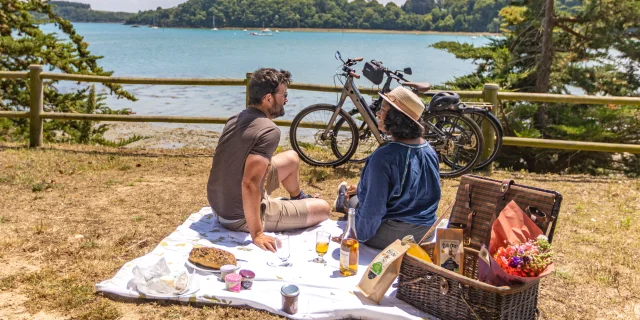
(512, 226)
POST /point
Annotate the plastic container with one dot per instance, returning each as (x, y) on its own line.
(247, 279)
(227, 269)
(233, 281)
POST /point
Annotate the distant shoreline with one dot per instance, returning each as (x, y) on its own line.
(418, 32)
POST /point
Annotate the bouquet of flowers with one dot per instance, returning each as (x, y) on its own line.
(529, 259)
(518, 251)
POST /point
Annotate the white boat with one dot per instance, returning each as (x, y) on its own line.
(260, 34)
(214, 24)
(265, 30)
(473, 37)
(245, 30)
(277, 31)
(154, 23)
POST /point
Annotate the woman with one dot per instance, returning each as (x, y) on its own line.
(399, 186)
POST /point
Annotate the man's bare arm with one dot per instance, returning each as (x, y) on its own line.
(254, 169)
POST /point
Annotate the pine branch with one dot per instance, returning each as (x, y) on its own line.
(569, 19)
(571, 31)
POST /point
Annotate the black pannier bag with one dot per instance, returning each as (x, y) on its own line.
(374, 72)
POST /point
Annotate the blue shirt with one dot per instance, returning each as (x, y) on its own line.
(400, 182)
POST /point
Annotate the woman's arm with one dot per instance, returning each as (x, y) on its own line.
(373, 194)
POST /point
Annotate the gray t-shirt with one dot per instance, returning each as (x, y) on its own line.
(249, 132)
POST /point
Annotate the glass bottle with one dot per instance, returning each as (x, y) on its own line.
(415, 250)
(349, 247)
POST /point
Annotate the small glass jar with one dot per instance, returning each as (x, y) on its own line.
(247, 279)
(227, 269)
(233, 282)
(290, 294)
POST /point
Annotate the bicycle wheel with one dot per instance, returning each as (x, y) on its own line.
(367, 142)
(496, 131)
(313, 146)
(456, 138)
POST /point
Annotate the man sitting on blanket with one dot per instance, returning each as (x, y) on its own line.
(245, 171)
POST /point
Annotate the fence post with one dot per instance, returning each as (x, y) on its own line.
(490, 95)
(35, 106)
(248, 79)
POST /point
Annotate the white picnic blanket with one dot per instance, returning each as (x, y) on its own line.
(324, 293)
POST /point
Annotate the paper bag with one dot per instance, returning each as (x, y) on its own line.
(382, 271)
(449, 250)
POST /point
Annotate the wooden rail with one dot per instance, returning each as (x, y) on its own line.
(14, 75)
(490, 94)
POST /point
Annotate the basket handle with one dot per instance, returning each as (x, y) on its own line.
(446, 213)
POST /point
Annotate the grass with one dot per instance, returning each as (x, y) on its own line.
(72, 217)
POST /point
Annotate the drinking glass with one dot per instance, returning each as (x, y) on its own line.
(322, 245)
(282, 243)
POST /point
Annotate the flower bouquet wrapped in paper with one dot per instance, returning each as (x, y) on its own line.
(518, 251)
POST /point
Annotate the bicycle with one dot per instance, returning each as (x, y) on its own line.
(479, 112)
(327, 135)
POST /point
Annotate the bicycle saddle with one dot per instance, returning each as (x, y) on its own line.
(419, 86)
(444, 100)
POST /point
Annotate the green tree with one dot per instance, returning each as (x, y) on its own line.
(593, 47)
(22, 43)
(419, 6)
(328, 14)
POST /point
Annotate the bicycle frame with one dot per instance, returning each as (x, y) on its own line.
(350, 90)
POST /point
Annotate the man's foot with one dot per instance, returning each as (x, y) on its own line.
(341, 201)
(302, 195)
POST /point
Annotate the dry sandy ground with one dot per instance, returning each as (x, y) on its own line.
(159, 136)
(71, 216)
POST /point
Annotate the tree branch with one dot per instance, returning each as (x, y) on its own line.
(568, 19)
(569, 30)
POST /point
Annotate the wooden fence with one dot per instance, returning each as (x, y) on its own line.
(491, 94)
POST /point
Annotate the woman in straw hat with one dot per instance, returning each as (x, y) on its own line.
(399, 186)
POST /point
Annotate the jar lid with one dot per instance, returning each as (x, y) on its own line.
(247, 274)
(228, 268)
(232, 277)
(290, 290)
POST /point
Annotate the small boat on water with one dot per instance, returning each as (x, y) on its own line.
(245, 30)
(260, 34)
(214, 24)
(267, 30)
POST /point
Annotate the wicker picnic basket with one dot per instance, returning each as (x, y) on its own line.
(449, 295)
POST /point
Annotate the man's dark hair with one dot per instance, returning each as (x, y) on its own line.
(265, 81)
(400, 125)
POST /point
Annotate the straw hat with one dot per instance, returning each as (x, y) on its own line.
(406, 102)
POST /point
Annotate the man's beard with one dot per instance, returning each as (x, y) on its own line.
(275, 110)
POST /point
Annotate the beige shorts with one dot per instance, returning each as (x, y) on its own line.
(277, 214)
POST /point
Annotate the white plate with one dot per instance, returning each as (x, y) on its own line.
(192, 287)
(209, 270)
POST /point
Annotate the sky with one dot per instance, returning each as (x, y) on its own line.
(135, 5)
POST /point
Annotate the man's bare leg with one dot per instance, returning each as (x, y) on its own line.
(288, 164)
(318, 210)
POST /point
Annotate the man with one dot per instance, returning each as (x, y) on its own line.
(245, 171)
